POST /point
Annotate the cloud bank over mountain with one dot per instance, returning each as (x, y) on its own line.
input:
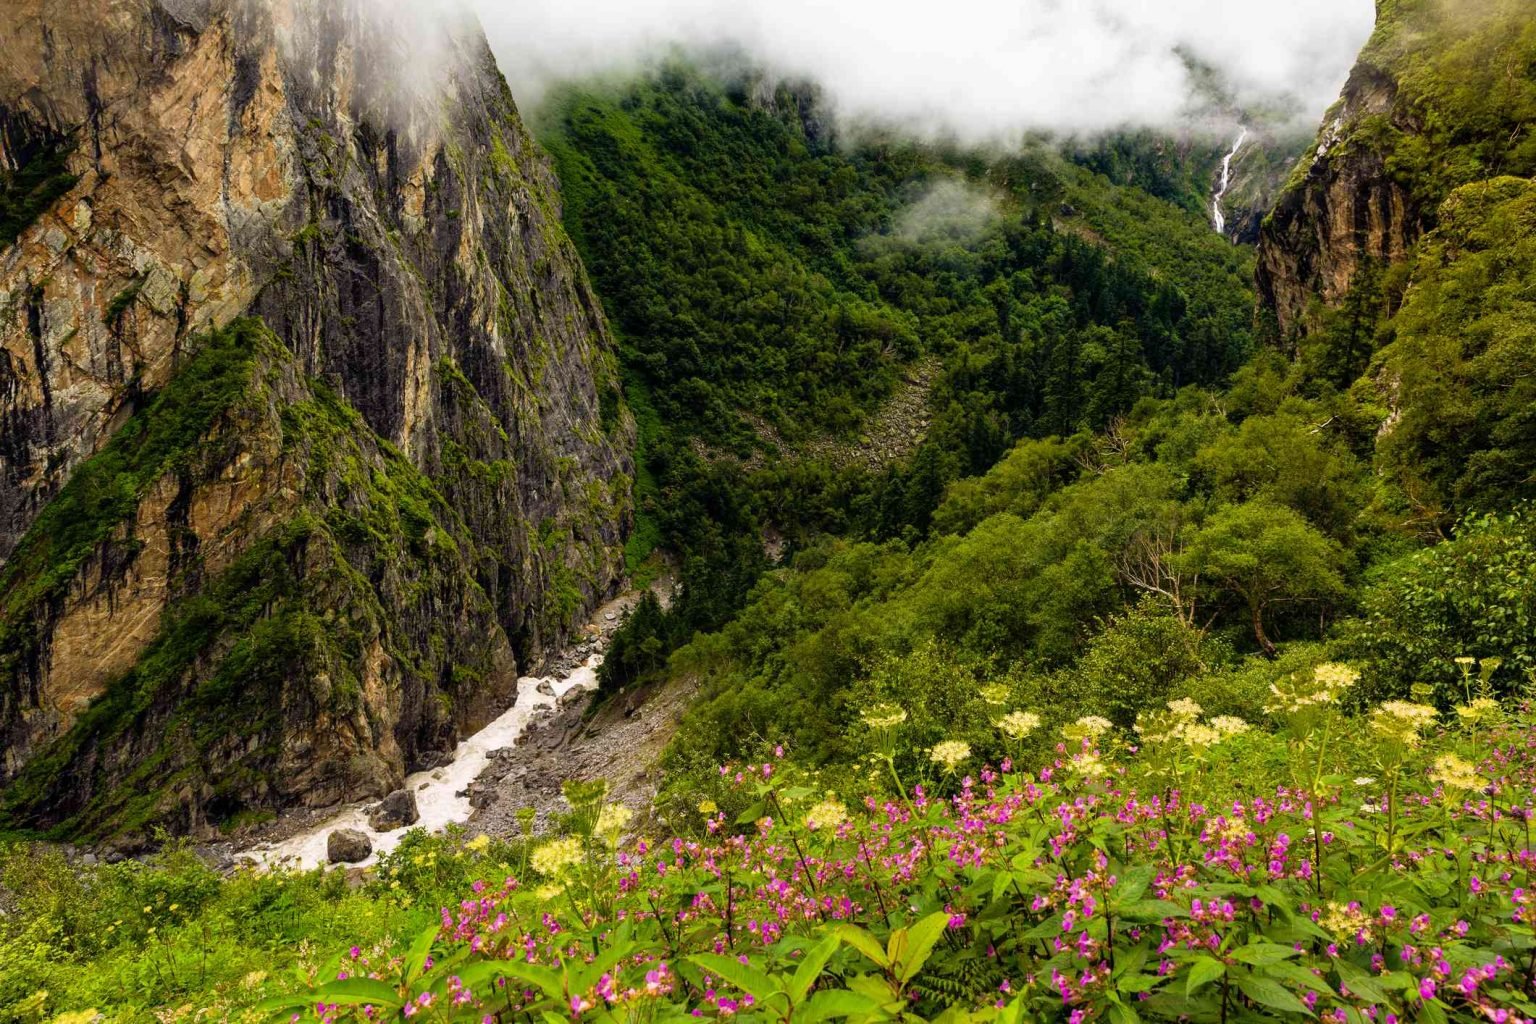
(980, 69)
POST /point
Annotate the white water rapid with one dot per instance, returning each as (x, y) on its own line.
(1219, 218)
(436, 790)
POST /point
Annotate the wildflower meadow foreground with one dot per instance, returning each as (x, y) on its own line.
(1371, 867)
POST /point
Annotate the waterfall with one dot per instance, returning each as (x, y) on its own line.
(1217, 216)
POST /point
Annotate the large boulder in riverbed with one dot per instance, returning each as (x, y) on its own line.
(347, 846)
(395, 811)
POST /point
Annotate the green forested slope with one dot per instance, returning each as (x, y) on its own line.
(1207, 543)
(777, 286)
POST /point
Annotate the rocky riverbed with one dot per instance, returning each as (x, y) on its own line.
(519, 760)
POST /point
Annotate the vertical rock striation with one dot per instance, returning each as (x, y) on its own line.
(256, 562)
(1442, 95)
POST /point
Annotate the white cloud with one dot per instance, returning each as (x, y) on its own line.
(981, 68)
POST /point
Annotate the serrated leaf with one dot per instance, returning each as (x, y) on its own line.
(1359, 982)
(921, 938)
(864, 942)
(1202, 972)
(750, 980)
(811, 967)
(358, 992)
(416, 957)
(752, 813)
(1258, 954)
(1269, 992)
(835, 1002)
(1133, 884)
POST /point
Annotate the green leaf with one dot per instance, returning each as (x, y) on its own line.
(421, 948)
(1119, 1013)
(920, 941)
(835, 1002)
(752, 813)
(1258, 954)
(292, 1001)
(1360, 983)
(751, 981)
(811, 967)
(358, 992)
(544, 979)
(1270, 993)
(588, 974)
(1132, 884)
(1202, 972)
(864, 942)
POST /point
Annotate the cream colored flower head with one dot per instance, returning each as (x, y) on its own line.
(1018, 724)
(884, 716)
(1228, 726)
(1401, 721)
(1295, 693)
(828, 814)
(1199, 737)
(1185, 708)
(1087, 764)
(950, 753)
(1087, 727)
(554, 858)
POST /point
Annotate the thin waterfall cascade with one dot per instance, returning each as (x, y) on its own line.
(1218, 218)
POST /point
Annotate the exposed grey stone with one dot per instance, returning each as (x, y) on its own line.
(347, 846)
(396, 810)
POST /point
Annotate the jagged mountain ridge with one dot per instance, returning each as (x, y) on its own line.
(404, 247)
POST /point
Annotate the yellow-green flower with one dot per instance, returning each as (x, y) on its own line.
(830, 813)
(1185, 708)
(1455, 774)
(1086, 727)
(555, 857)
(1199, 737)
(884, 716)
(995, 694)
(1480, 710)
(1327, 685)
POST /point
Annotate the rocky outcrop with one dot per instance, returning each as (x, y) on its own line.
(1340, 209)
(1441, 96)
(427, 456)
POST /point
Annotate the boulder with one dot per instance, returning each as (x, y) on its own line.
(395, 811)
(347, 846)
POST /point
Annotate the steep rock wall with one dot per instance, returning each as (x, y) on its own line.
(364, 184)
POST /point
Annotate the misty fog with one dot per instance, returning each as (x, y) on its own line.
(981, 69)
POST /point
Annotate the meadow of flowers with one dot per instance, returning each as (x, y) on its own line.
(1349, 868)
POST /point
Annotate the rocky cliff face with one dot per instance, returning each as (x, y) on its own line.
(1442, 96)
(246, 567)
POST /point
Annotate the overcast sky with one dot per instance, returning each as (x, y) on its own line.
(982, 68)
